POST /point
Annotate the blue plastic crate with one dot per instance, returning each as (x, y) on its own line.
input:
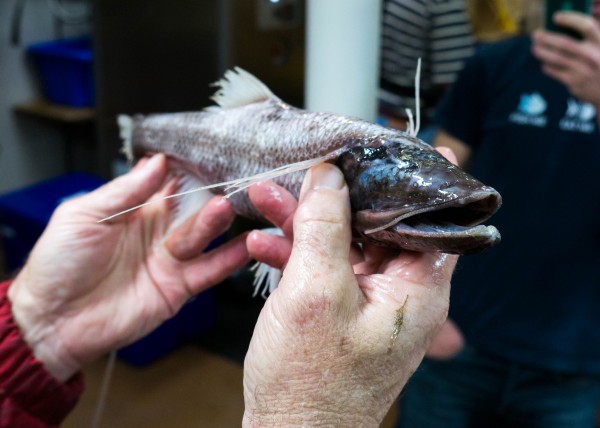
(24, 213)
(65, 70)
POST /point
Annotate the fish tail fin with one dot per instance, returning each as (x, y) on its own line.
(126, 133)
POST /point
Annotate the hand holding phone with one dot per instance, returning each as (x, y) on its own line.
(553, 6)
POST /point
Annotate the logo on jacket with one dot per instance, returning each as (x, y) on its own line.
(530, 110)
(579, 117)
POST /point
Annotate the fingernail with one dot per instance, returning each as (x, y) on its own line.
(325, 176)
(222, 201)
(151, 163)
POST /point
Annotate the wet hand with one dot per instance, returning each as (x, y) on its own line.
(347, 326)
(91, 287)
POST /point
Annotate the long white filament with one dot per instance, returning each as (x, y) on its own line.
(241, 183)
(413, 129)
(103, 397)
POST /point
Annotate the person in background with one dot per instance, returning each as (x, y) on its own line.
(334, 343)
(494, 20)
(435, 31)
(523, 349)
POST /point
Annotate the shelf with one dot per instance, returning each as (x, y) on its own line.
(67, 115)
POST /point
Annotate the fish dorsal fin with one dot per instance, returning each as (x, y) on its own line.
(239, 88)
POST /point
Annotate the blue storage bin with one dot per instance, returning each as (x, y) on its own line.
(65, 70)
(24, 213)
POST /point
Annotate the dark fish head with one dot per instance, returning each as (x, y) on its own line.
(404, 194)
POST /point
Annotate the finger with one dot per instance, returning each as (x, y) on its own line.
(447, 342)
(128, 190)
(562, 51)
(432, 270)
(558, 73)
(551, 56)
(375, 256)
(583, 24)
(322, 235)
(406, 273)
(448, 153)
(544, 41)
(193, 236)
(275, 203)
(272, 250)
(441, 269)
(213, 267)
(412, 283)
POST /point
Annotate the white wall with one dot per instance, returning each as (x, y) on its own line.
(30, 150)
(342, 53)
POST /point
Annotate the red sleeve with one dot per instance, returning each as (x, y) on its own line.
(29, 395)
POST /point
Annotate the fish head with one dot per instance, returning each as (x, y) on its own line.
(404, 194)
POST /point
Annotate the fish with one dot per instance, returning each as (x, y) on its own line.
(403, 193)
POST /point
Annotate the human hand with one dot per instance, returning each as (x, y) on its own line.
(448, 342)
(575, 63)
(91, 287)
(340, 336)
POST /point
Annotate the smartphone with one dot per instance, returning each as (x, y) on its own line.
(552, 6)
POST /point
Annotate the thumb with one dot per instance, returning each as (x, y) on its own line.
(129, 190)
(448, 153)
(585, 25)
(322, 233)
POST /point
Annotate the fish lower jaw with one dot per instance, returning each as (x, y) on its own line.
(452, 226)
(444, 238)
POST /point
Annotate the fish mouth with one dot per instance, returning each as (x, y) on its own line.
(450, 227)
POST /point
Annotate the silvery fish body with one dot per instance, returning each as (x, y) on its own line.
(404, 194)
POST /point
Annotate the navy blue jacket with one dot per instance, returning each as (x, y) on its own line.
(535, 298)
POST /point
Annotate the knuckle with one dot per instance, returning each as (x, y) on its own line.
(67, 207)
(321, 210)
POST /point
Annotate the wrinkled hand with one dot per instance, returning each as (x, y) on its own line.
(90, 287)
(574, 63)
(339, 337)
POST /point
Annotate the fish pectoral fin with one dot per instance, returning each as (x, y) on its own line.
(266, 278)
(192, 196)
(238, 88)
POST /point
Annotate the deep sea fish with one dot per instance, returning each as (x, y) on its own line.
(404, 194)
